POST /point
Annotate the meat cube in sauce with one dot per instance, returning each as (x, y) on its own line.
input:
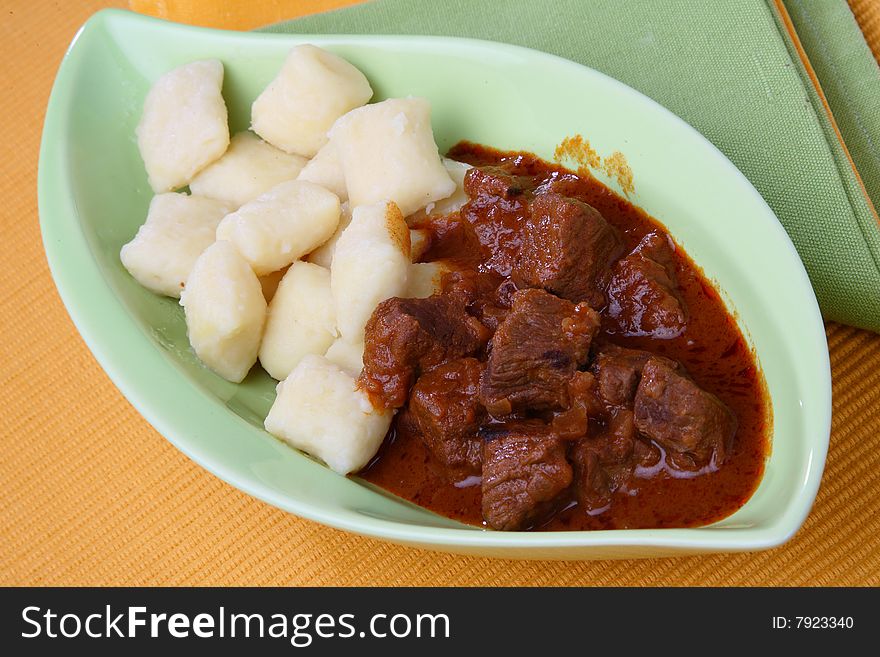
(497, 209)
(445, 407)
(405, 337)
(617, 371)
(681, 417)
(488, 295)
(453, 238)
(643, 297)
(524, 472)
(604, 463)
(584, 403)
(567, 247)
(535, 352)
(493, 181)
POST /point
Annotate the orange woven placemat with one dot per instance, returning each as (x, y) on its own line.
(867, 13)
(93, 495)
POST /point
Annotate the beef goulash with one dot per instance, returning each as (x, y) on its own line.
(573, 370)
(488, 335)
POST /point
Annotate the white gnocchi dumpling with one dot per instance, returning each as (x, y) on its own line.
(325, 169)
(424, 279)
(450, 204)
(312, 90)
(455, 201)
(248, 168)
(388, 152)
(269, 283)
(183, 127)
(225, 311)
(370, 264)
(420, 242)
(347, 354)
(301, 319)
(458, 198)
(323, 255)
(282, 225)
(178, 228)
(320, 410)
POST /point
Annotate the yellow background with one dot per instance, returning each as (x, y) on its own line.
(91, 494)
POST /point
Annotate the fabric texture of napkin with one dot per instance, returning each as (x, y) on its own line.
(730, 68)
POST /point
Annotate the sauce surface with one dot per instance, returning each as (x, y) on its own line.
(711, 348)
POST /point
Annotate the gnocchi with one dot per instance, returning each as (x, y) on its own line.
(312, 90)
(325, 169)
(320, 410)
(183, 126)
(282, 259)
(452, 203)
(347, 354)
(323, 255)
(424, 279)
(301, 319)
(370, 264)
(388, 152)
(248, 168)
(420, 242)
(177, 229)
(282, 225)
(225, 311)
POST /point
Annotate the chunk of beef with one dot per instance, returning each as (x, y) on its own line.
(681, 417)
(524, 473)
(566, 184)
(584, 403)
(643, 296)
(646, 454)
(497, 223)
(453, 238)
(498, 206)
(405, 337)
(617, 372)
(447, 412)
(605, 463)
(486, 294)
(493, 181)
(567, 246)
(535, 352)
(492, 307)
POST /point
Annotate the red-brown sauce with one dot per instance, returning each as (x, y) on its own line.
(712, 349)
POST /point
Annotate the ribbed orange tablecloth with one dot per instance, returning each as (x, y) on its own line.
(91, 494)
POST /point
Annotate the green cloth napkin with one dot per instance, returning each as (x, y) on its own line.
(729, 69)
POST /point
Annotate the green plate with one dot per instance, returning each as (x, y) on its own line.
(93, 194)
